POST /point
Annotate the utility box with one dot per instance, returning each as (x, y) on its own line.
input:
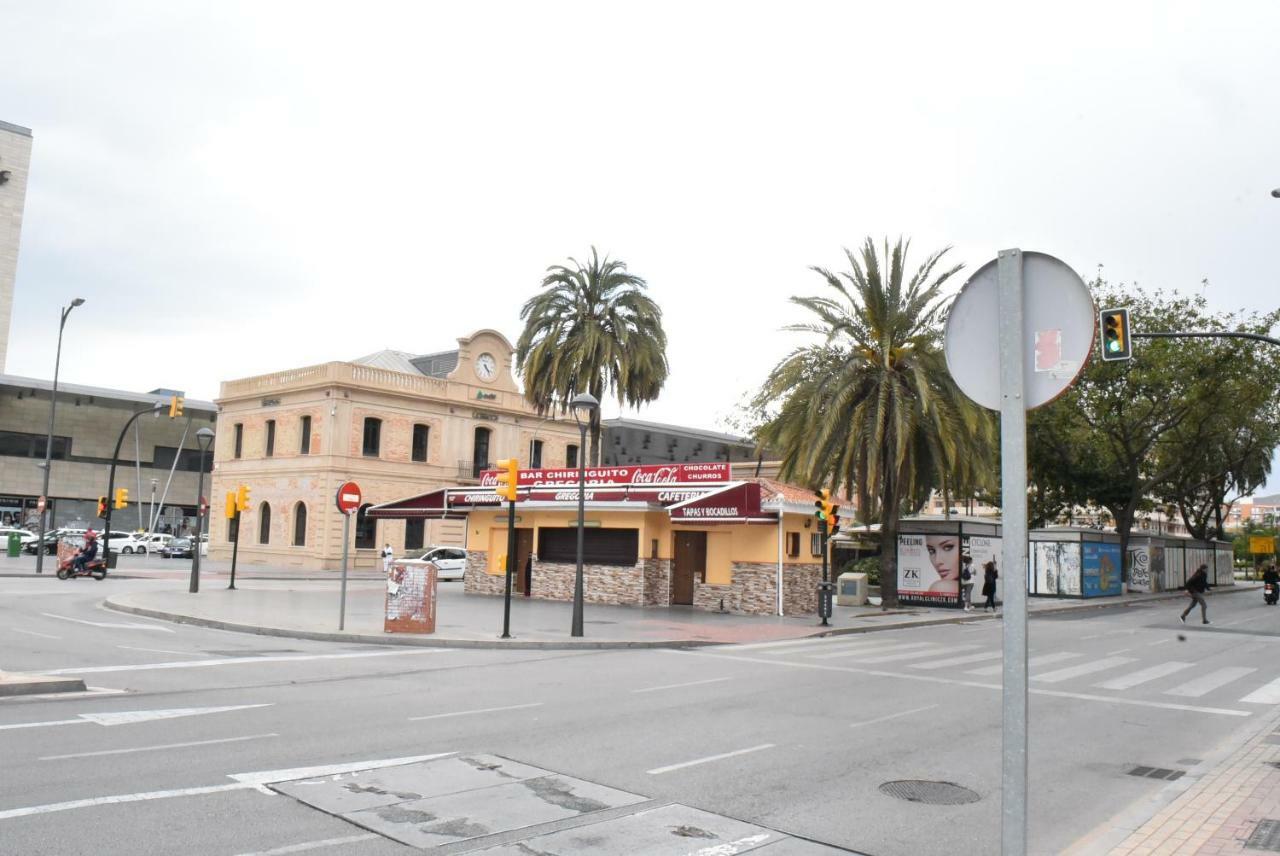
(851, 590)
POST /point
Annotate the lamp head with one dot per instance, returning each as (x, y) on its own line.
(205, 438)
(583, 406)
(79, 301)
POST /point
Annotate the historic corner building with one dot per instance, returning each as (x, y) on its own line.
(654, 535)
(393, 422)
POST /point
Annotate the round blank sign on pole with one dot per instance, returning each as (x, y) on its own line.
(349, 498)
(1059, 324)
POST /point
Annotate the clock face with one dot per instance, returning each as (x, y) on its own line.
(486, 367)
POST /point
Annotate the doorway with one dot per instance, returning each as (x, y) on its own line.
(524, 561)
(690, 564)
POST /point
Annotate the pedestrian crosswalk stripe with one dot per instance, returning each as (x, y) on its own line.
(861, 645)
(1266, 694)
(854, 652)
(916, 655)
(1142, 676)
(1042, 660)
(1211, 681)
(1069, 672)
(958, 661)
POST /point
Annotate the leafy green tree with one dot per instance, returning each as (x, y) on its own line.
(591, 329)
(871, 409)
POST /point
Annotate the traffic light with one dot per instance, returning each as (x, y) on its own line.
(102, 506)
(175, 406)
(122, 497)
(242, 498)
(232, 506)
(508, 479)
(1116, 344)
(825, 512)
(833, 523)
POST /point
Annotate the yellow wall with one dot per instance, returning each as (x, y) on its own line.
(719, 553)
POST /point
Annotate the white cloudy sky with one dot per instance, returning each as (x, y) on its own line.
(238, 188)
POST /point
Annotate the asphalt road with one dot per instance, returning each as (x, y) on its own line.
(796, 737)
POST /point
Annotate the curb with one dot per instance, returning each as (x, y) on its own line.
(53, 575)
(23, 685)
(604, 645)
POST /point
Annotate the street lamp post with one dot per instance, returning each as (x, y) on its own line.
(204, 437)
(584, 407)
(48, 443)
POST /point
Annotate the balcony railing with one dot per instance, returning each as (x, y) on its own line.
(471, 470)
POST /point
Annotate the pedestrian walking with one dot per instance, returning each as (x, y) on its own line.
(966, 583)
(1197, 585)
(388, 556)
(989, 577)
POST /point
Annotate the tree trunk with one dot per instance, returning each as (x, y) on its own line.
(889, 546)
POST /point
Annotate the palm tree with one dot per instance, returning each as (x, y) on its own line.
(872, 409)
(591, 329)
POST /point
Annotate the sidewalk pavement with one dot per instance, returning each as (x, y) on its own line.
(1229, 803)
(309, 610)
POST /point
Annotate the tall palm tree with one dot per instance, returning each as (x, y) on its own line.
(591, 329)
(872, 409)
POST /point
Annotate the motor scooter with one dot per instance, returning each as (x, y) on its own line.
(96, 568)
(1270, 593)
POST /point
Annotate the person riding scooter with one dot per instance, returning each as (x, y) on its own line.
(87, 553)
(1271, 584)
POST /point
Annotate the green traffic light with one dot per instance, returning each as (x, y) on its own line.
(1113, 345)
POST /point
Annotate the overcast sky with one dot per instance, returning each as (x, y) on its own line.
(239, 188)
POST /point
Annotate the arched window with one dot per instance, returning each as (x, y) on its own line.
(264, 523)
(300, 525)
(366, 529)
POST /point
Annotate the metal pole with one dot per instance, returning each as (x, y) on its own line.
(1013, 483)
(346, 532)
(582, 510)
(48, 445)
(822, 590)
(511, 560)
(235, 548)
(195, 550)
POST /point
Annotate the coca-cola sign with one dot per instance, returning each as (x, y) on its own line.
(648, 475)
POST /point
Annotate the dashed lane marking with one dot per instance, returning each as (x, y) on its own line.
(658, 771)
(240, 661)
(158, 748)
(681, 686)
(314, 845)
(890, 716)
(478, 710)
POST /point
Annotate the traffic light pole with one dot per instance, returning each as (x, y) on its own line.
(510, 563)
(111, 483)
(824, 598)
(235, 548)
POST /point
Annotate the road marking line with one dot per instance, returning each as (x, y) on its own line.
(658, 771)
(891, 716)
(116, 625)
(313, 845)
(1042, 660)
(33, 633)
(1109, 633)
(479, 710)
(43, 724)
(157, 748)
(235, 661)
(1059, 675)
(162, 651)
(1118, 651)
(244, 781)
(777, 643)
(732, 848)
(933, 679)
(916, 655)
(1267, 694)
(130, 717)
(1142, 676)
(855, 651)
(1211, 681)
(959, 661)
(680, 686)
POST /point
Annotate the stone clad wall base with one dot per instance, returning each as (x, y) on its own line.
(759, 584)
(709, 597)
(657, 582)
(800, 589)
(600, 583)
(477, 579)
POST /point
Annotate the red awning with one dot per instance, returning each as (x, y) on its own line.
(735, 503)
(433, 505)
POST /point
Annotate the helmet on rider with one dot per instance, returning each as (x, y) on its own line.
(90, 535)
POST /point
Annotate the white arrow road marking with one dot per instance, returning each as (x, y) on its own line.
(116, 625)
(245, 781)
(236, 661)
(731, 848)
(128, 717)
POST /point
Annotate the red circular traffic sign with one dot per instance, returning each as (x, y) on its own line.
(349, 497)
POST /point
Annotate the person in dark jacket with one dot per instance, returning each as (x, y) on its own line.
(1197, 585)
(989, 577)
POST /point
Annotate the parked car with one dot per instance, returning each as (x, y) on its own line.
(451, 561)
(147, 542)
(50, 542)
(27, 537)
(177, 548)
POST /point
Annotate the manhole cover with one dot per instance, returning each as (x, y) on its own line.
(931, 793)
(1266, 836)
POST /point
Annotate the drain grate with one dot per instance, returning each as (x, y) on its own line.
(1266, 836)
(930, 793)
(1157, 773)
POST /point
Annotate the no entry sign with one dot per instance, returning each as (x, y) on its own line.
(349, 497)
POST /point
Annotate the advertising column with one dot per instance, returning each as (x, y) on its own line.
(929, 570)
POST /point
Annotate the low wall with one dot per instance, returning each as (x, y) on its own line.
(600, 583)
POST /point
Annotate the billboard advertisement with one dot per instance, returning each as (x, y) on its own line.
(1056, 567)
(1100, 569)
(929, 570)
(983, 549)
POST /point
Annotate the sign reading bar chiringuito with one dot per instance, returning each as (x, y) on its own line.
(649, 474)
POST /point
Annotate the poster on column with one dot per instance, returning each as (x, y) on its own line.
(1057, 567)
(1100, 569)
(929, 570)
(1140, 568)
(411, 598)
(983, 549)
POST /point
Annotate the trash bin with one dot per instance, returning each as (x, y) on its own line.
(825, 591)
(852, 590)
(15, 545)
